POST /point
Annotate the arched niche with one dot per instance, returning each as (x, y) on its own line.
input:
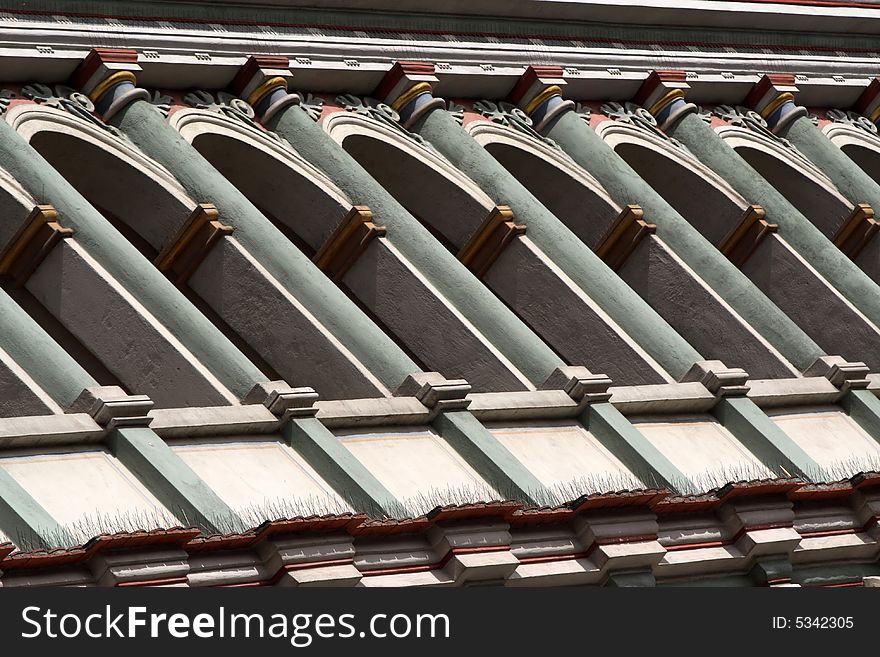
(563, 187)
(449, 203)
(297, 196)
(796, 178)
(139, 196)
(861, 146)
(702, 197)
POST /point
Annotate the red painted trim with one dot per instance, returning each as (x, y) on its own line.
(155, 582)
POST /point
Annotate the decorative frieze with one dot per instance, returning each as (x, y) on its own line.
(637, 116)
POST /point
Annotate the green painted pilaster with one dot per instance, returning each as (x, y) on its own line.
(340, 469)
(126, 264)
(797, 230)
(624, 185)
(578, 261)
(849, 178)
(631, 448)
(474, 300)
(501, 469)
(24, 520)
(50, 366)
(147, 128)
(760, 435)
(170, 479)
(863, 407)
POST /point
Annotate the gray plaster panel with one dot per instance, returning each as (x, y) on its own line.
(292, 341)
(805, 297)
(562, 314)
(17, 397)
(425, 322)
(119, 331)
(697, 314)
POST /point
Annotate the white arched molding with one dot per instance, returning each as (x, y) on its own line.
(843, 134)
(191, 123)
(32, 119)
(737, 137)
(486, 133)
(341, 125)
(14, 195)
(618, 132)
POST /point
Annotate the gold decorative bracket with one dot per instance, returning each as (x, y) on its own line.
(496, 232)
(744, 238)
(624, 235)
(32, 243)
(183, 254)
(348, 242)
(858, 229)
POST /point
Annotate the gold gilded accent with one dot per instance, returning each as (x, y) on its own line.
(541, 98)
(776, 103)
(875, 115)
(624, 235)
(858, 229)
(745, 237)
(416, 90)
(265, 87)
(39, 233)
(485, 245)
(667, 98)
(111, 81)
(348, 242)
(183, 254)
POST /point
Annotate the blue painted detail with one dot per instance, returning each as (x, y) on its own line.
(544, 108)
(419, 101)
(264, 103)
(106, 100)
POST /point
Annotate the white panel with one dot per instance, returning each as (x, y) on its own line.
(248, 474)
(831, 438)
(415, 464)
(701, 449)
(88, 484)
(562, 453)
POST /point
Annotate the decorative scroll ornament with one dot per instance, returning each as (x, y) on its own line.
(639, 117)
(583, 112)
(232, 107)
(6, 97)
(162, 102)
(456, 110)
(511, 116)
(743, 117)
(312, 105)
(69, 100)
(384, 114)
(852, 118)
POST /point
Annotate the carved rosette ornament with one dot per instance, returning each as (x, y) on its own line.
(852, 118)
(637, 116)
(233, 107)
(60, 97)
(511, 116)
(382, 113)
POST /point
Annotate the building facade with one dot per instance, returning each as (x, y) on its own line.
(524, 293)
